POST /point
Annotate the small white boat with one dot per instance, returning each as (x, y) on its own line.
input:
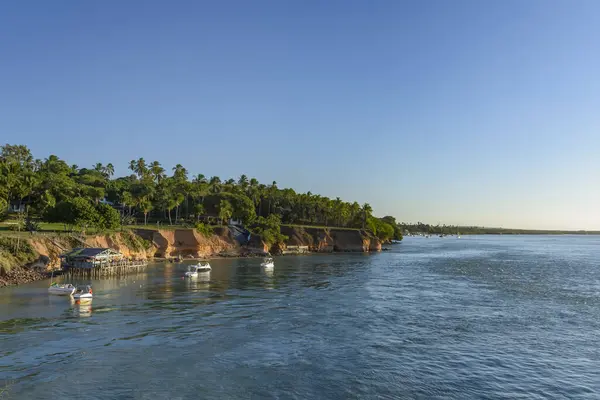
(193, 270)
(84, 292)
(268, 263)
(61, 290)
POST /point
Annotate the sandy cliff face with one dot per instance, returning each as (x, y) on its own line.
(188, 242)
(125, 243)
(146, 243)
(49, 248)
(331, 239)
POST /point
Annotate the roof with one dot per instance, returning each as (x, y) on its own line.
(89, 252)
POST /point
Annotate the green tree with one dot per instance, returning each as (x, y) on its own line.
(199, 210)
(75, 212)
(146, 206)
(109, 170)
(108, 217)
(225, 211)
(366, 211)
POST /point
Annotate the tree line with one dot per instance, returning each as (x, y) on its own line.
(53, 190)
(438, 229)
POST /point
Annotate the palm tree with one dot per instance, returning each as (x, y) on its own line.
(199, 188)
(225, 211)
(200, 178)
(215, 185)
(109, 170)
(157, 171)
(179, 172)
(272, 192)
(199, 210)
(146, 206)
(354, 212)
(230, 185)
(171, 204)
(128, 200)
(139, 167)
(367, 210)
(98, 167)
(243, 182)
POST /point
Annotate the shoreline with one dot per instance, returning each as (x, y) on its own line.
(23, 275)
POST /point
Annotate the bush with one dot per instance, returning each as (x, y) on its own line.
(81, 212)
(25, 224)
(203, 229)
(135, 242)
(109, 218)
(15, 252)
(128, 220)
(269, 229)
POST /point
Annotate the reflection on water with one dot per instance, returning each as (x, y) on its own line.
(199, 282)
(269, 271)
(81, 307)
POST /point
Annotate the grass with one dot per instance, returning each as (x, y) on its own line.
(15, 252)
(7, 229)
(321, 227)
(44, 227)
(153, 227)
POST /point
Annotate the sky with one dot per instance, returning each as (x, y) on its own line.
(457, 112)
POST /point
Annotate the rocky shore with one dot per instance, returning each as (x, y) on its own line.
(21, 275)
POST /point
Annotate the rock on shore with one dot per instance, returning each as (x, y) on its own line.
(20, 276)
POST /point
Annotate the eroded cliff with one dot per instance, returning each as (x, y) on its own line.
(331, 239)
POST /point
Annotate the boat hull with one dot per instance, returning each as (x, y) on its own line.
(82, 296)
(61, 291)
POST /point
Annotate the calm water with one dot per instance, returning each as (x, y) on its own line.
(477, 317)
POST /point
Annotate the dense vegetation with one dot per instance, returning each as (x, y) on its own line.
(54, 191)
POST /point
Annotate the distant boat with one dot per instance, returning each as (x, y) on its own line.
(268, 263)
(84, 292)
(193, 270)
(61, 290)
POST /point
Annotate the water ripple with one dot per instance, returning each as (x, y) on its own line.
(437, 319)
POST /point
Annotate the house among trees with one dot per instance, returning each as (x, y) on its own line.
(90, 257)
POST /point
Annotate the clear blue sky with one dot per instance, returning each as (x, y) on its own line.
(470, 112)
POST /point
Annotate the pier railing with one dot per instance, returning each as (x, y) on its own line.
(100, 268)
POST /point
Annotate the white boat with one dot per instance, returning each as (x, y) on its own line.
(268, 263)
(193, 270)
(61, 290)
(84, 292)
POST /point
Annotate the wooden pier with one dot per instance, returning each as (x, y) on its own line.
(101, 270)
(99, 262)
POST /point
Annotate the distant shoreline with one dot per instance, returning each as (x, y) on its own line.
(516, 233)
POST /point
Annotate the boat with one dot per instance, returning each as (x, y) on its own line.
(61, 290)
(83, 292)
(268, 263)
(193, 270)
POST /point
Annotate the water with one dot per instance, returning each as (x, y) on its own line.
(477, 317)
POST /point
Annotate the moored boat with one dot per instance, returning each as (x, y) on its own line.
(193, 270)
(268, 263)
(83, 292)
(61, 290)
